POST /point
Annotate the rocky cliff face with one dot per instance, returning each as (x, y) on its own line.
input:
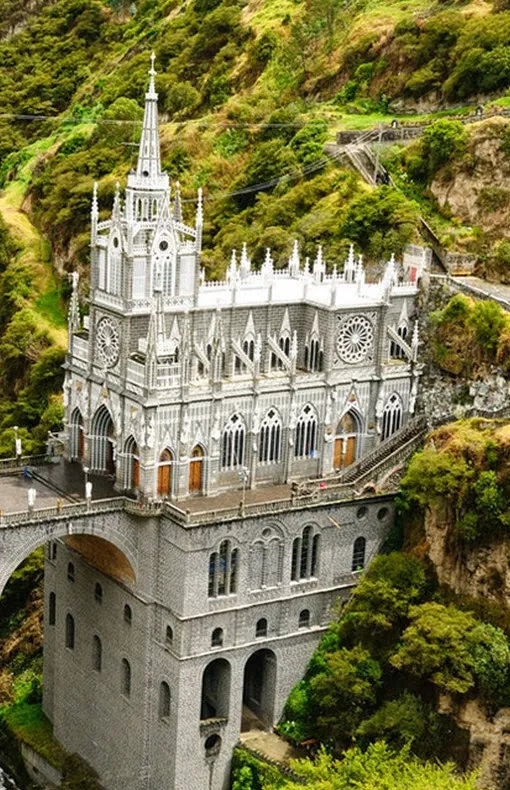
(476, 188)
(481, 572)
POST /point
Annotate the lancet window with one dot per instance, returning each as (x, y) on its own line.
(306, 433)
(266, 562)
(305, 555)
(233, 443)
(396, 352)
(314, 355)
(392, 416)
(358, 554)
(270, 438)
(223, 566)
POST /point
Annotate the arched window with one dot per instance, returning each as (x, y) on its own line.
(70, 572)
(396, 352)
(314, 356)
(261, 628)
(304, 618)
(102, 441)
(125, 677)
(132, 464)
(53, 551)
(232, 443)
(223, 570)
(52, 608)
(97, 653)
(164, 700)
(76, 438)
(70, 631)
(249, 348)
(98, 593)
(217, 638)
(270, 438)
(306, 433)
(128, 614)
(169, 636)
(358, 554)
(392, 416)
(305, 555)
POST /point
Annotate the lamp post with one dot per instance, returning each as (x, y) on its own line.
(86, 471)
(244, 474)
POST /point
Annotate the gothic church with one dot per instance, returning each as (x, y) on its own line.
(189, 394)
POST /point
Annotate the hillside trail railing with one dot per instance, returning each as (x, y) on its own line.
(373, 172)
(471, 290)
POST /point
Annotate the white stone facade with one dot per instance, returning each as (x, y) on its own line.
(179, 386)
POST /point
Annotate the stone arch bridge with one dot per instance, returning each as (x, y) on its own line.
(122, 521)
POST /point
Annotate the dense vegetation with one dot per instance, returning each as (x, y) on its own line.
(402, 640)
(483, 327)
(378, 768)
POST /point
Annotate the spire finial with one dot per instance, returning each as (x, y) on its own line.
(95, 207)
(152, 74)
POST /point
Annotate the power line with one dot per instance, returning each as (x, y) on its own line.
(113, 121)
(311, 168)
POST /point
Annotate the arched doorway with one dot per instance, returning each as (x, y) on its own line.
(196, 467)
(346, 441)
(215, 701)
(259, 689)
(132, 460)
(76, 436)
(165, 474)
(102, 459)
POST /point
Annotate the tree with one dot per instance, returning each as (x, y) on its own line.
(381, 601)
(442, 142)
(437, 647)
(343, 694)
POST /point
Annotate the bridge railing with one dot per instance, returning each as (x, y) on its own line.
(9, 464)
(64, 511)
(454, 284)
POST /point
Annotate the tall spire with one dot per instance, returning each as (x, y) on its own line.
(149, 164)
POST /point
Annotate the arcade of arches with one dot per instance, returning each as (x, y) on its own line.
(259, 687)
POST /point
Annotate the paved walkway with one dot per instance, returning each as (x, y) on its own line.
(496, 290)
(271, 745)
(14, 494)
(62, 480)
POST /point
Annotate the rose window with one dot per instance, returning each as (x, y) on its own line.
(355, 339)
(107, 337)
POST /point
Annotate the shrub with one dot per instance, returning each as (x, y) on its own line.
(442, 142)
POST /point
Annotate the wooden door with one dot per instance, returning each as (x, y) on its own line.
(195, 470)
(110, 464)
(165, 480)
(337, 463)
(350, 453)
(136, 473)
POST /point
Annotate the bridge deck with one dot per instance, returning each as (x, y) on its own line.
(62, 480)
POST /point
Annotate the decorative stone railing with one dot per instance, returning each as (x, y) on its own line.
(63, 511)
(8, 465)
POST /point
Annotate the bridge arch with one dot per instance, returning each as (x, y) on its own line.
(88, 536)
